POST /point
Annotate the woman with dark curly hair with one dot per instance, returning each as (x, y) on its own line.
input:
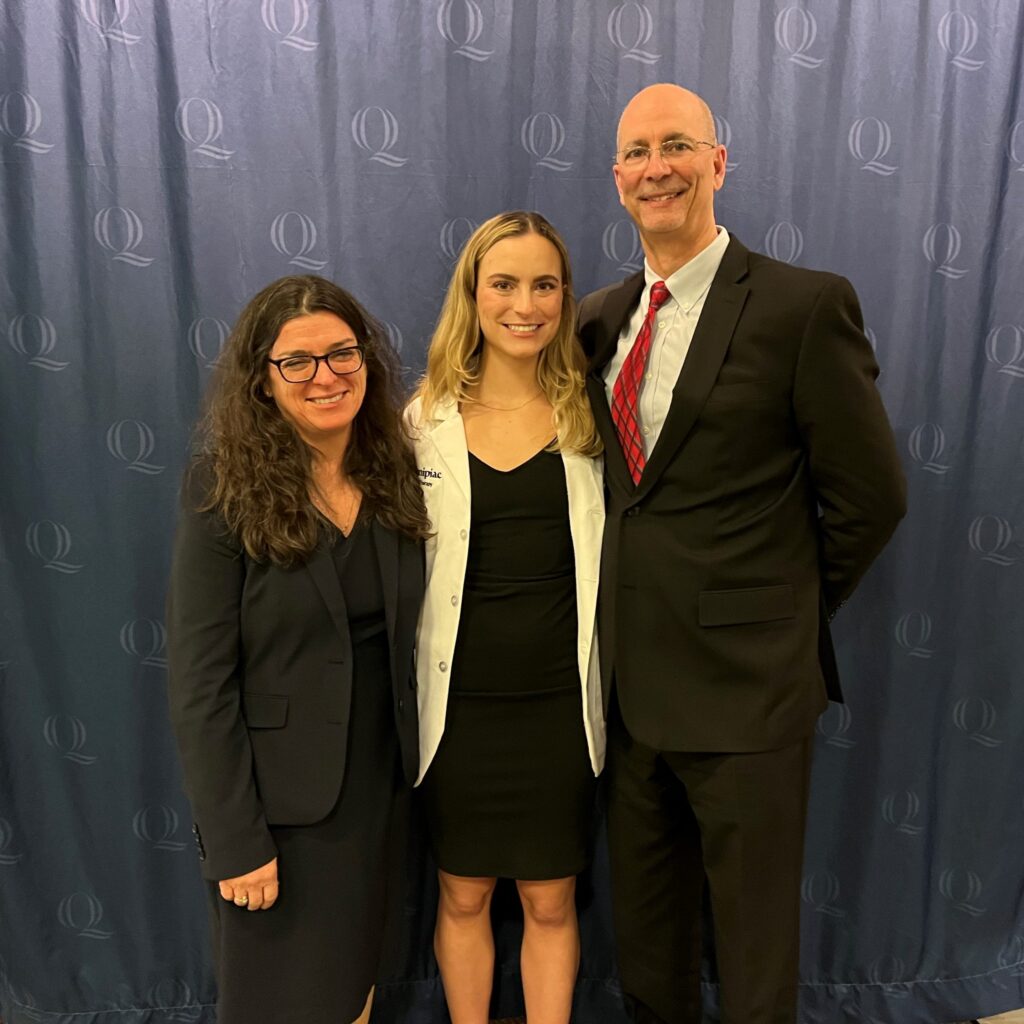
(295, 588)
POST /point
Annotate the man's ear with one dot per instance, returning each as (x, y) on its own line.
(618, 185)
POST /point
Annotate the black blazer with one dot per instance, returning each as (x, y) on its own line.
(261, 682)
(773, 485)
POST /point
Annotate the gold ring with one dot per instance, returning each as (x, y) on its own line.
(241, 901)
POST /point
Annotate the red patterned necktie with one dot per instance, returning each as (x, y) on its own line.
(626, 391)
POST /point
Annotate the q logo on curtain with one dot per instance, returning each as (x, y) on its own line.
(298, 13)
(155, 825)
(630, 27)
(201, 124)
(132, 442)
(108, 17)
(1015, 145)
(723, 133)
(454, 235)
(976, 717)
(66, 734)
(962, 889)
(145, 639)
(7, 857)
(941, 245)
(901, 810)
(990, 536)
(394, 333)
(821, 891)
(50, 542)
(472, 29)
(20, 118)
(81, 913)
(784, 241)
(543, 136)
(119, 231)
(206, 338)
(34, 337)
(621, 244)
(912, 632)
(869, 140)
(378, 144)
(795, 32)
(882, 971)
(833, 726)
(175, 1000)
(1009, 359)
(282, 237)
(958, 35)
(926, 443)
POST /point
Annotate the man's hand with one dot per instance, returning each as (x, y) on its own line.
(256, 891)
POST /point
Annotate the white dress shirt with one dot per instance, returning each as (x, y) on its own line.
(674, 325)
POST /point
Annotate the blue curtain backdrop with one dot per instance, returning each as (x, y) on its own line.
(161, 160)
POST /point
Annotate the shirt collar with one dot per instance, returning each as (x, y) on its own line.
(691, 281)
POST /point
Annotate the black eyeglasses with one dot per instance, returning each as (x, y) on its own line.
(299, 369)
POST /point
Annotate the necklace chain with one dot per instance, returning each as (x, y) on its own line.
(509, 408)
(345, 521)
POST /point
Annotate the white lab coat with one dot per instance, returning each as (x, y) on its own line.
(442, 459)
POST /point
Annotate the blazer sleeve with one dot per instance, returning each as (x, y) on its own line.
(204, 656)
(854, 464)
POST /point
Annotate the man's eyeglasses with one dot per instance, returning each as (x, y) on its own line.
(673, 151)
(299, 369)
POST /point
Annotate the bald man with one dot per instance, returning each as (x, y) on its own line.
(752, 478)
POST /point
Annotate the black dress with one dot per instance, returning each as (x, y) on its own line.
(510, 790)
(312, 958)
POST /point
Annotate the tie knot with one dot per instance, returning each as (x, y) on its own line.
(659, 296)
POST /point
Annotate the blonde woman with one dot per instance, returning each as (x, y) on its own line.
(511, 726)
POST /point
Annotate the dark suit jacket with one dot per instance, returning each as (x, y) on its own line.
(773, 485)
(261, 682)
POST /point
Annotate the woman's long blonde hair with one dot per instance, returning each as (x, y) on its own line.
(453, 359)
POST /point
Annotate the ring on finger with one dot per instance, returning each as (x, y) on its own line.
(241, 901)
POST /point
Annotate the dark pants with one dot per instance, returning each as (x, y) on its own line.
(736, 821)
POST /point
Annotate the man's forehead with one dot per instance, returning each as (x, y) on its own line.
(661, 114)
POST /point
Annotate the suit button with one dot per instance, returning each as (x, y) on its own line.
(443, 666)
(401, 704)
(634, 511)
(463, 534)
(455, 600)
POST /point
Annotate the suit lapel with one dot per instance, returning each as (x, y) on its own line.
(703, 361)
(325, 575)
(612, 317)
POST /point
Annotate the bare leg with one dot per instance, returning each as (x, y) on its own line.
(364, 1017)
(551, 949)
(464, 946)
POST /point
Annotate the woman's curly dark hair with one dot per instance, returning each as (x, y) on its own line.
(261, 468)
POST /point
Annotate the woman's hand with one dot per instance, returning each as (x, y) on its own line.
(256, 891)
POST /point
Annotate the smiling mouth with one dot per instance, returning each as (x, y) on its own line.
(523, 328)
(328, 399)
(661, 197)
